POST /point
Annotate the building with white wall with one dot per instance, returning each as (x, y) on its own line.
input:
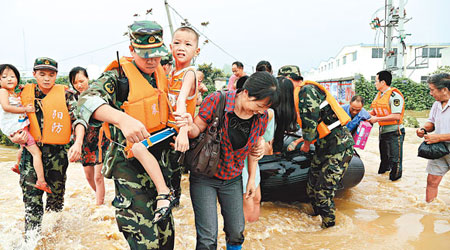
(367, 59)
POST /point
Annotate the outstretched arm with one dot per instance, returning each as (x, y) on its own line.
(74, 153)
(188, 88)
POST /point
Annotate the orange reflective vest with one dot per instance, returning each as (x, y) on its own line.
(147, 104)
(57, 126)
(322, 128)
(175, 83)
(382, 108)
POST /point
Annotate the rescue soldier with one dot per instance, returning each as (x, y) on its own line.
(292, 72)
(323, 122)
(135, 105)
(51, 127)
(388, 109)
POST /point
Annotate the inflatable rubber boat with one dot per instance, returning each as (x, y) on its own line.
(284, 176)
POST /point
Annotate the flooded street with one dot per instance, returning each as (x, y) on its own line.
(376, 214)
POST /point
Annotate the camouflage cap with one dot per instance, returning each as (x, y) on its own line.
(45, 63)
(289, 70)
(147, 39)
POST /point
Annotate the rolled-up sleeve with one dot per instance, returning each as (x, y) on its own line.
(432, 115)
(88, 107)
(208, 107)
(100, 92)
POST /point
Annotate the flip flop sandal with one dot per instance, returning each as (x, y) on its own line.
(43, 186)
(15, 169)
(165, 211)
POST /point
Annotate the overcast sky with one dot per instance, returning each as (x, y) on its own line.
(89, 32)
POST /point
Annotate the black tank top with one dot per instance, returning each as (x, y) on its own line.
(239, 130)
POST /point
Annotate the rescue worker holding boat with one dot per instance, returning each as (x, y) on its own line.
(323, 122)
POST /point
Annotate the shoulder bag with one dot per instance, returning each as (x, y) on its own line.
(204, 151)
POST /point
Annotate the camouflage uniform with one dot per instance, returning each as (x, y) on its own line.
(55, 162)
(332, 156)
(289, 71)
(135, 192)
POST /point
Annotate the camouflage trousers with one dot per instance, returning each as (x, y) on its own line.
(135, 202)
(54, 159)
(391, 153)
(324, 178)
(177, 169)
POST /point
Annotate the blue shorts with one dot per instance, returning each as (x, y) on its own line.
(245, 176)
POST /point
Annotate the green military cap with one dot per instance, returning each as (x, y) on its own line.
(45, 63)
(147, 39)
(289, 70)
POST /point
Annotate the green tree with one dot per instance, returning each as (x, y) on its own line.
(4, 140)
(211, 73)
(64, 80)
(365, 89)
(441, 69)
(416, 94)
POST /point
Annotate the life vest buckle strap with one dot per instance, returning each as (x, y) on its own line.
(334, 125)
(323, 104)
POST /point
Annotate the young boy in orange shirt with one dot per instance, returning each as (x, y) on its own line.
(182, 81)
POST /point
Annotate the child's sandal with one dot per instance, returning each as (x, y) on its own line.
(164, 211)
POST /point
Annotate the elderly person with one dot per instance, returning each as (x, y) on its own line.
(439, 122)
(356, 111)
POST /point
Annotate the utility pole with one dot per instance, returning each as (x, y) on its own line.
(393, 60)
(401, 36)
(168, 17)
(389, 59)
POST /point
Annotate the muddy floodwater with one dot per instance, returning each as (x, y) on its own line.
(376, 214)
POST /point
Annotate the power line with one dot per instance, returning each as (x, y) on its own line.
(201, 33)
(92, 51)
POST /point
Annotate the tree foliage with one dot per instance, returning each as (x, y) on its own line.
(416, 95)
(4, 140)
(441, 69)
(211, 74)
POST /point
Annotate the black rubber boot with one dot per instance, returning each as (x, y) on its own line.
(395, 174)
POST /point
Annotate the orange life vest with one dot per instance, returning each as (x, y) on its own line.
(382, 108)
(57, 126)
(147, 104)
(322, 128)
(175, 84)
